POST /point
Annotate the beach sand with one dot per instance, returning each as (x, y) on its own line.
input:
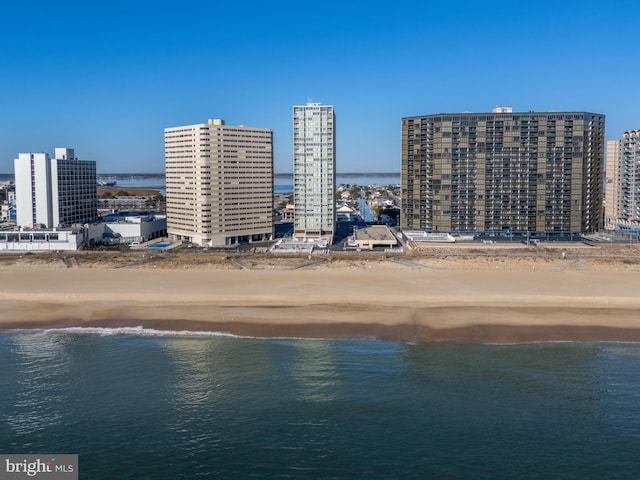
(494, 298)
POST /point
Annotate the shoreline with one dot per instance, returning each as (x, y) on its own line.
(484, 334)
(384, 300)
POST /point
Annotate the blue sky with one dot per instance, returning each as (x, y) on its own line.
(106, 78)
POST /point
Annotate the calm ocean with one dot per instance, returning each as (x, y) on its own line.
(143, 406)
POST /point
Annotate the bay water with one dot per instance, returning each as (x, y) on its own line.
(141, 404)
(284, 185)
(281, 184)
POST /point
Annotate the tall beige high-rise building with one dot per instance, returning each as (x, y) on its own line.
(219, 183)
(503, 171)
(623, 181)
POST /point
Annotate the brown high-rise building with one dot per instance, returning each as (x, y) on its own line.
(503, 171)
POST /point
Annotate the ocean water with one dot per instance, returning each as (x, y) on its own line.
(146, 406)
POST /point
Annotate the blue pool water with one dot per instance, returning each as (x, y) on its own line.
(159, 245)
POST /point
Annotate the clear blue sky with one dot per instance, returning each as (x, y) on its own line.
(106, 78)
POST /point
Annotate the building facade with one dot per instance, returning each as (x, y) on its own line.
(42, 240)
(127, 227)
(55, 192)
(503, 171)
(623, 181)
(219, 183)
(314, 166)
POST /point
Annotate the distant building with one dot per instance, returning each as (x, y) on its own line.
(55, 192)
(623, 181)
(503, 171)
(345, 214)
(135, 203)
(289, 213)
(6, 210)
(314, 166)
(219, 183)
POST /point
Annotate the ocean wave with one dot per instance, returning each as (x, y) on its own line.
(139, 330)
(152, 332)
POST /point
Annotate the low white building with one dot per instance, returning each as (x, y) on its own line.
(127, 228)
(422, 236)
(115, 229)
(42, 240)
(374, 236)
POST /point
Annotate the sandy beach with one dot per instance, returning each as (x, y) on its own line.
(498, 297)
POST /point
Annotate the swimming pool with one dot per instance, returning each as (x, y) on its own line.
(159, 245)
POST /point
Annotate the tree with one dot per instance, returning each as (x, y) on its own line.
(391, 211)
(354, 191)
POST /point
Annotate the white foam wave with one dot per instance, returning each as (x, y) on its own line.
(139, 330)
(152, 332)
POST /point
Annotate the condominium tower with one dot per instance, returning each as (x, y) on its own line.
(314, 166)
(503, 171)
(219, 183)
(623, 181)
(55, 192)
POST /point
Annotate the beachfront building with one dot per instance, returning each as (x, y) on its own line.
(113, 229)
(126, 228)
(622, 209)
(219, 187)
(314, 166)
(55, 192)
(43, 240)
(503, 172)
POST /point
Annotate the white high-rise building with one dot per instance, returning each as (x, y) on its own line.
(55, 192)
(622, 207)
(219, 183)
(314, 166)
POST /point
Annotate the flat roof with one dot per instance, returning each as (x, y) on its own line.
(377, 233)
(505, 114)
